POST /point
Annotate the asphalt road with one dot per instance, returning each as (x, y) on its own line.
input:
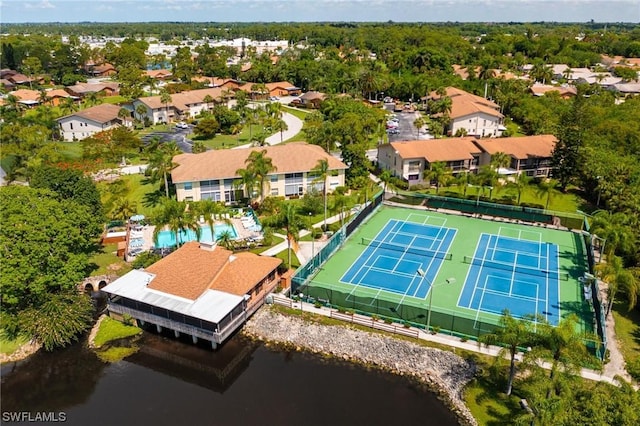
(406, 129)
(179, 136)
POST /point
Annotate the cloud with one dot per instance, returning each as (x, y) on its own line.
(44, 4)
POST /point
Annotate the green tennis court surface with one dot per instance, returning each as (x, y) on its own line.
(471, 269)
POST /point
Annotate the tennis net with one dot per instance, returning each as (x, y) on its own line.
(406, 249)
(517, 268)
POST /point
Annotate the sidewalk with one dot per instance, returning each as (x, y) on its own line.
(454, 342)
(294, 125)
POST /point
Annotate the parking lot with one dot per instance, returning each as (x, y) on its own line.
(405, 131)
(179, 136)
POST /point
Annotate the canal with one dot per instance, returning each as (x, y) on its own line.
(169, 382)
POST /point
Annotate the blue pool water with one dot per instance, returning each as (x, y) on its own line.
(168, 238)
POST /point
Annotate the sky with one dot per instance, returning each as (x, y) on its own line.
(319, 10)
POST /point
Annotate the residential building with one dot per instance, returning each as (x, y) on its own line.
(529, 154)
(85, 123)
(409, 159)
(471, 114)
(213, 174)
(159, 74)
(80, 90)
(311, 99)
(564, 91)
(27, 97)
(279, 88)
(181, 106)
(102, 70)
(200, 289)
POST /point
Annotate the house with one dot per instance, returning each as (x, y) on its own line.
(85, 123)
(529, 154)
(56, 96)
(212, 174)
(565, 92)
(226, 83)
(80, 90)
(19, 79)
(472, 114)
(200, 289)
(409, 159)
(627, 89)
(311, 99)
(181, 106)
(27, 97)
(102, 70)
(159, 74)
(280, 88)
(7, 84)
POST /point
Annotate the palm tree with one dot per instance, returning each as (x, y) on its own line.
(92, 99)
(280, 125)
(141, 110)
(418, 123)
(247, 180)
(177, 217)
(546, 188)
(43, 97)
(618, 230)
(486, 74)
(385, 177)
(321, 173)
(208, 209)
(161, 163)
(500, 160)
(618, 278)
(68, 106)
(123, 114)
(261, 166)
(437, 172)
(511, 334)
(236, 129)
(165, 98)
(123, 208)
(225, 239)
(15, 104)
(292, 222)
(521, 183)
(208, 100)
(462, 181)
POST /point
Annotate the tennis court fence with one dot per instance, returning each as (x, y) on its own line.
(406, 249)
(475, 261)
(475, 206)
(306, 271)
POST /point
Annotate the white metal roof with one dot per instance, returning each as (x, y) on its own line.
(212, 305)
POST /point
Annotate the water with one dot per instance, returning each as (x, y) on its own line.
(168, 238)
(169, 382)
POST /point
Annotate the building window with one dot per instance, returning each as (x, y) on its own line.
(188, 198)
(293, 184)
(274, 192)
(273, 178)
(413, 177)
(188, 186)
(210, 190)
(231, 192)
(71, 126)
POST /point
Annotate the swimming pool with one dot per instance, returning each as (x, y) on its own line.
(168, 238)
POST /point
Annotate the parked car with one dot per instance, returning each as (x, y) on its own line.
(392, 125)
(182, 125)
(274, 98)
(393, 131)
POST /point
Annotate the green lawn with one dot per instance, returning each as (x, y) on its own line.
(628, 334)
(139, 191)
(106, 257)
(230, 141)
(70, 150)
(295, 263)
(559, 201)
(9, 346)
(111, 330)
(488, 404)
(115, 100)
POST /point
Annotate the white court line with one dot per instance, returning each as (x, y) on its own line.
(484, 290)
(370, 254)
(427, 268)
(481, 266)
(399, 261)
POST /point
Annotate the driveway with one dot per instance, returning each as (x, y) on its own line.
(406, 129)
(179, 136)
(294, 125)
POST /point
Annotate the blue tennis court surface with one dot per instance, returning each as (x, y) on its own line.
(393, 258)
(515, 274)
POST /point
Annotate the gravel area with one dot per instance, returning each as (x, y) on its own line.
(444, 372)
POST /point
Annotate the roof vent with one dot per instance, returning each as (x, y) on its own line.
(207, 245)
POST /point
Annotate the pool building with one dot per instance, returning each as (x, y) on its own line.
(200, 289)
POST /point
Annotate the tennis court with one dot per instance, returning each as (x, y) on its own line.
(457, 272)
(515, 271)
(404, 258)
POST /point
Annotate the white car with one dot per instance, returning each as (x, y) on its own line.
(182, 125)
(274, 98)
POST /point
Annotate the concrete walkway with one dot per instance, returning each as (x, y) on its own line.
(456, 343)
(294, 125)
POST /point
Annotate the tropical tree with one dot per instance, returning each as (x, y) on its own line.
(225, 239)
(236, 129)
(280, 126)
(177, 217)
(500, 160)
(207, 209)
(521, 183)
(512, 334)
(208, 100)
(261, 166)
(418, 123)
(92, 99)
(321, 173)
(68, 106)
(618, 278)
(165, 99)
(161, 163)
(546, 189)
(123, 208)
(141, 110)
(293, 223)
(248, 181)
(385, 177)
(124, 114)
(439, 173)
(617, 229)
(486, 74)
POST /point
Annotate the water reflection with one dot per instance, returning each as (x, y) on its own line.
(169, 382)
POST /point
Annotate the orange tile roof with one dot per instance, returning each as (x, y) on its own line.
(26, 94)
(99, 113)
(541, 89)
(190, 271)
(182, 100)
(223, 164)
(520, 147)
(452, 149)
(58, 93)
(158, 73)
(465, 103)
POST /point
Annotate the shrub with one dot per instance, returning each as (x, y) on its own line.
(633, 367)
(388, 321)
(406, 324)
(375, 317)
(317, 304)
(435, 329)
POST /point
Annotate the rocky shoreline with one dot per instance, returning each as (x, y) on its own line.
(444, 372)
